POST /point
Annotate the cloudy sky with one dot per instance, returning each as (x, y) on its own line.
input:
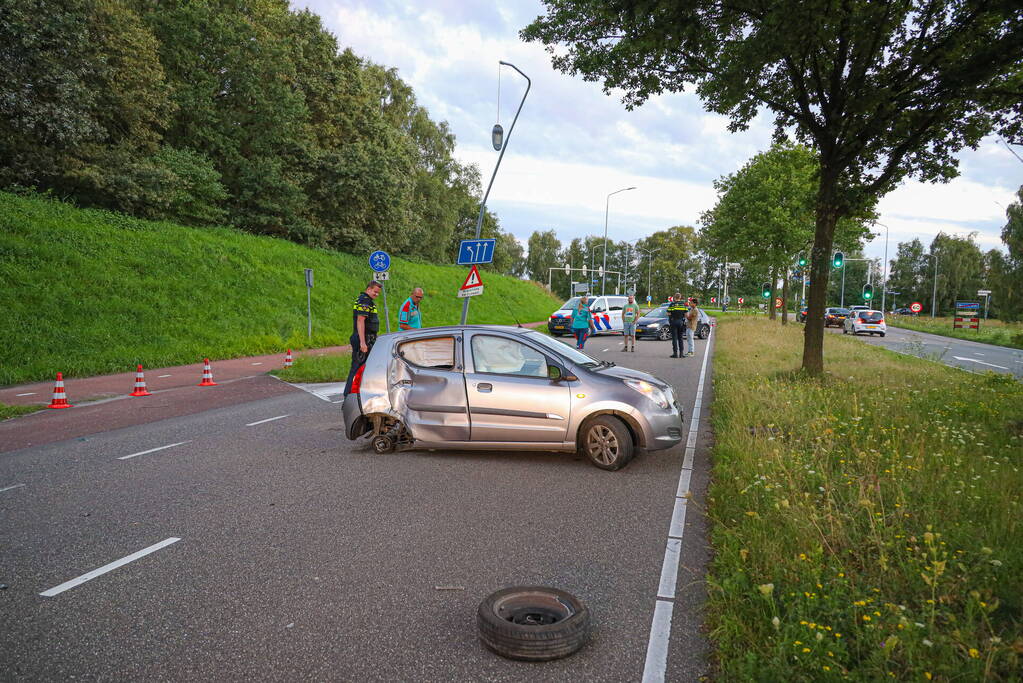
(573, 144)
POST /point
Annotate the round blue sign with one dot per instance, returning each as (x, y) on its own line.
(379, 261)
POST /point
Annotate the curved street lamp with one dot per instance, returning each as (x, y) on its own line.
(607, 206)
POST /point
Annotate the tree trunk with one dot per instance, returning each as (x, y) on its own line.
(820, 269)
(785, 297)
(771, 313)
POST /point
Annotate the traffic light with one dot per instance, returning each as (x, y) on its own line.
(868, 292)
(838, 260)
(765, 290)
(802, 261)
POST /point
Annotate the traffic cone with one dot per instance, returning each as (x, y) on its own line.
(287, 359)
(59, 397)
(140, 384)
(207, 374)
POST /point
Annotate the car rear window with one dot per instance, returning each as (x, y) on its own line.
(870, 316)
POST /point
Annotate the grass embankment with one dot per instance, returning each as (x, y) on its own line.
(88, 292)
(990, 332)
(326, 368)
(867, 525)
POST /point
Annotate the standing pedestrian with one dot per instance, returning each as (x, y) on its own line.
(582, 322)
(630, 314)
(365, 325)
(409, 317)
(677, 310)
(692, 321)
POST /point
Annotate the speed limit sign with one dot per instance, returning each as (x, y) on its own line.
(916, 307)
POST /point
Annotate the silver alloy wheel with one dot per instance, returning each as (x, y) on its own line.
(602, 444)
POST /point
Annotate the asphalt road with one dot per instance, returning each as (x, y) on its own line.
(959, 353)
(278, 551)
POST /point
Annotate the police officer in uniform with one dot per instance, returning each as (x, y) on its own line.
(365, 325)
(677, 310)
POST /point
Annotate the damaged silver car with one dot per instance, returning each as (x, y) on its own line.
(505, 388)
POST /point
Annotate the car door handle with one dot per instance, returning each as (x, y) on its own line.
(484, 387)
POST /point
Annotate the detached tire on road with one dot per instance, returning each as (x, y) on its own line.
(533, 623)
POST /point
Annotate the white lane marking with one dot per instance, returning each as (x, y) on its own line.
(257, 363)
(154, 450)
(660, 629)
(68, 585)
(8, 488)
(974, 360)
(977, 353)
(683, 482)
(657, 648)
(669, 569)
(161, 376)
(326, 391)
(269, 419)
(31, 393)
(605, 350)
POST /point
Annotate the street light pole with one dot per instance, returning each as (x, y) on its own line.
(649, 265)
(504, 146)
(934, 289)
(607, 207)
(884, 272)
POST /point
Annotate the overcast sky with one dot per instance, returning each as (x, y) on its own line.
(573, 144)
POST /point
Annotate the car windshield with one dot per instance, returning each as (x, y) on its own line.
(661, 312)
(563, 350)
(573, 303)
(839, 311)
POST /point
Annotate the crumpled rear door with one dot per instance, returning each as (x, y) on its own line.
(428, 388)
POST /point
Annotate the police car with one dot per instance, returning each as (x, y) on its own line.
(606, 310)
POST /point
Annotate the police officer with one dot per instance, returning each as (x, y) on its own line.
(677, 310)
(365, 325)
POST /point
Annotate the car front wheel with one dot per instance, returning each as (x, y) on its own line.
(606, 441)
(664, 334)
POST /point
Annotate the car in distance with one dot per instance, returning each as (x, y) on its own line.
(859, 307)
(655, 324)
(903, 311)
(489, 387)
(606, 310)
(835, 316)
(871, 322)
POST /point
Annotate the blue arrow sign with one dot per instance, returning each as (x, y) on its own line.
(471, 252)
(380, 261)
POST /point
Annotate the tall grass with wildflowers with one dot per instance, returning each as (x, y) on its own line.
(867, 525)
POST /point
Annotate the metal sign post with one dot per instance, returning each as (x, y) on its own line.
(986, 293)
(309, 300)
(380, 262)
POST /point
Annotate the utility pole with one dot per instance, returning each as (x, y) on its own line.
(934, 290)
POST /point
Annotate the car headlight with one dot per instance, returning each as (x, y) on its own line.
(648, 390)
(654, 325)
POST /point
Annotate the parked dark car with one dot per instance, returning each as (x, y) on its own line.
(835, 316)
(903, 311)
(655, 325)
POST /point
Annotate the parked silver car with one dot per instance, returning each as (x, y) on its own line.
(491, 387)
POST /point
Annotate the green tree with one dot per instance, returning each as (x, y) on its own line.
(542, 253)
(1007, 271)
(882, 91)
(908, 273)
(675, 266)
(960, 270)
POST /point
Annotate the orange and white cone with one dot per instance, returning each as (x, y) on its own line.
(287, 359)
(140, 384)
(207, 374)
(59, 397)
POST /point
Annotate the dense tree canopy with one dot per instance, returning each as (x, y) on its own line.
(881, 90)
(243, 112)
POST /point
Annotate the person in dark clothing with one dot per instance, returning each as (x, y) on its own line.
(365, 325)
(677, 310)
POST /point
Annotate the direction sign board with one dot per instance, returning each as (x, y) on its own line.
(983, 292)
(741, 300)
(380, 261)
(471, 252)
(916, 307)
(967, 305)
(382, 276)
(473, 285)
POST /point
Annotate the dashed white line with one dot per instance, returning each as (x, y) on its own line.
(162, 376)
(257, 363)
(68, 585)
(974, 360)
(8, 488)
(154, 450)
(31, 393)
(269, 419)
(660, 629)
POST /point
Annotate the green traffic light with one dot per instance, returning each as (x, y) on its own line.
(868, 292)
(765, 290)
(802, 261)
(838, 260)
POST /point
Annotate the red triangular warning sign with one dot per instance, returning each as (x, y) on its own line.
(473, 280)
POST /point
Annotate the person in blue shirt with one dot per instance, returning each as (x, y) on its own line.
(582, 322)
(409, 317)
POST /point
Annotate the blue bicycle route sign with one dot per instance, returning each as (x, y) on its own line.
(379, 261)
(472, 252)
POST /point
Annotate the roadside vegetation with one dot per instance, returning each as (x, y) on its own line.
(9, 411)
(990, 332)
(867, 523)
(88, 291)
(331, 367)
